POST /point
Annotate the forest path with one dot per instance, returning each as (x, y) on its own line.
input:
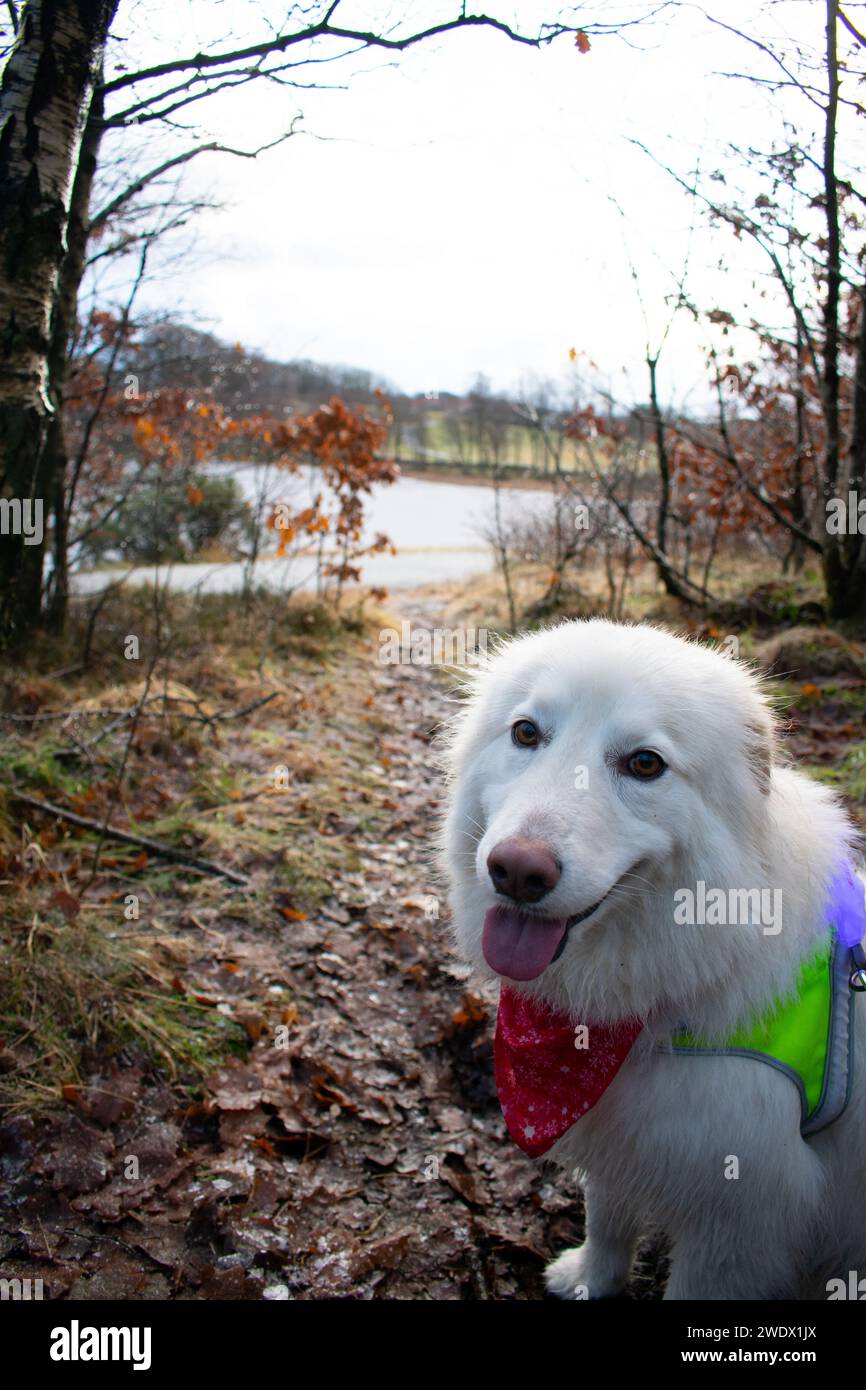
(358, 1150)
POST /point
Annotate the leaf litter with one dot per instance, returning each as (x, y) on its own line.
(357, 1151)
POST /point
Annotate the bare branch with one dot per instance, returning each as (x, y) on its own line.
(126, 837)
(199, 62)
(662, 561)
(143, 180)
(106, 384)
(767, 51)
(214, 82)
(744, 223)
(861, 38)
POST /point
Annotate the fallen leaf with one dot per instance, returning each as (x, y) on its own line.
(254, 1025)
(67, 903)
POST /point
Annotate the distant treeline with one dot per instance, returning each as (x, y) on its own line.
(479, 430)
(172, 354)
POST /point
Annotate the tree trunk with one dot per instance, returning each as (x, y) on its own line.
(668, 578)
(843, 598)
(46, 92)
(796, 556)
(844, 570)
(62, 334)
(845, 565)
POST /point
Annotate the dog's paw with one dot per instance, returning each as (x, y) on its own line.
(583, 1274)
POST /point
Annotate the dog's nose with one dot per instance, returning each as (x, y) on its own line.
(524, 870)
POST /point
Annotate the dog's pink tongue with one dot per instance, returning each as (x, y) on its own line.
(518, 945)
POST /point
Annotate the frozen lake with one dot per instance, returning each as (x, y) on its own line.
(437, 529)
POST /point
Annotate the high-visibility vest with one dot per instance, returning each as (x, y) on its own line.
(807, 1035)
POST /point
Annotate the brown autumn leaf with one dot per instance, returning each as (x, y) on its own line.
(327, 1094)
(474, 1010)
(291, 914)
(253, 1024)
(458, 1177)
(581, 42)
(194, 495)
(67, 903)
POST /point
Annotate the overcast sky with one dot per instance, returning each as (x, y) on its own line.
(450, 213)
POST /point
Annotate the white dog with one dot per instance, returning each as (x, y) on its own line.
(605, 779)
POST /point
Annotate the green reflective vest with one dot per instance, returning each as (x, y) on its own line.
(807, 1035)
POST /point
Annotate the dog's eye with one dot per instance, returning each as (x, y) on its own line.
(525, 734)
(645, 765)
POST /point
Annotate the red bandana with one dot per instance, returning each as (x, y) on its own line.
(545, 1082)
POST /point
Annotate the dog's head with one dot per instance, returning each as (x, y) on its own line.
(595, 766)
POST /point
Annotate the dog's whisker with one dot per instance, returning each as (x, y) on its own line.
(633, 893)
(477, 823)
(630, 873)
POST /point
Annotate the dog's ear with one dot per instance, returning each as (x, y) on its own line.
(760, 746)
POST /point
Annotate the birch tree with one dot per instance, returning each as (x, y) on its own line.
(48, 85)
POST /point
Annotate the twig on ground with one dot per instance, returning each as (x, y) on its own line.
(200, 715)
(127, 837)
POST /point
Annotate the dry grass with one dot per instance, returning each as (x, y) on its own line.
(79, 983)
(86, 990)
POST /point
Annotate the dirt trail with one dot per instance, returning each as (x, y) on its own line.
(364, 1158)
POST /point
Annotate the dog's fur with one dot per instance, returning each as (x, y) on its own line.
(651, 1154)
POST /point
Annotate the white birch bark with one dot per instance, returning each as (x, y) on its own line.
(45, 96)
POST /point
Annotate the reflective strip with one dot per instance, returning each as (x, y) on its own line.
(807, 1037)
(839, 1069)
